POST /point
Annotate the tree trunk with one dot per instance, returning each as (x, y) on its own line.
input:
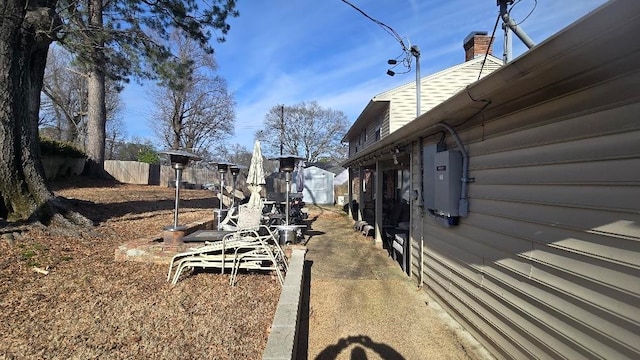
(96, 125)
(23, 55)
(97, 109)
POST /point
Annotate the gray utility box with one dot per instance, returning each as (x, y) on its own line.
(447, 182)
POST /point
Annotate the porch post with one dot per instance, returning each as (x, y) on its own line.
(350, 190)
(361, 192)
(378, 204)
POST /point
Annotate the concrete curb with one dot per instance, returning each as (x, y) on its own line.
(283, 338)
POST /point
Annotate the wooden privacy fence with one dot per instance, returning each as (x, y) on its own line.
(134, 172)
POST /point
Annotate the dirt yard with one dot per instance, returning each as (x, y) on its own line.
(62, 295)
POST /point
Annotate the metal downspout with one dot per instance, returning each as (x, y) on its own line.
(421, 202)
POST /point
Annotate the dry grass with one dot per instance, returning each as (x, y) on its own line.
(89, 306)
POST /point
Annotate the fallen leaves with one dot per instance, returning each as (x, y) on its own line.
(89, 306)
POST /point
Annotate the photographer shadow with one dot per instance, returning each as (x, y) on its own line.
(358, 352)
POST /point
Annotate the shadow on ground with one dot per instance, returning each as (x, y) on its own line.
(359, 344)
(303, 326)
(99, 213)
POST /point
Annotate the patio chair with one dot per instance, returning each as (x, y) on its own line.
(266, 256)
(230, 222)
(248, 217)
(210, 249)
(244, 249)
(358, 225)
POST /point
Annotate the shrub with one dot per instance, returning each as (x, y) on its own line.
(64, 149)
(149, 156)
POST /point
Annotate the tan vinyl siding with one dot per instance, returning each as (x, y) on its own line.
(435, 89)
(360, 142)
(353, 147)
(384, 129)
(547, 264)
(371, 132)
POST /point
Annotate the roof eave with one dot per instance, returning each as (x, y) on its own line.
(581, 47)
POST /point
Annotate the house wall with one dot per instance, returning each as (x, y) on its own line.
(547, 263)
(435, 89)
(384, 128)
(361, 142)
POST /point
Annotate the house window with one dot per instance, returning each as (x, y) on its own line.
(377, 136)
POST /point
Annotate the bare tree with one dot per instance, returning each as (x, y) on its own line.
(65, 95)
(194, 107)
(235, 154)
(64, 104)
(306, 130)
(116, 134)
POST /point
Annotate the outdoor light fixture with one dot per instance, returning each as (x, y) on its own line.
(287, 164)
(179, 160)
(415, 52)
(223, 168)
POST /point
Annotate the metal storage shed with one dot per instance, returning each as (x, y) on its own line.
(318, 186)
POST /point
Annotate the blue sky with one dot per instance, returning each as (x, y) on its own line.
(288, 51)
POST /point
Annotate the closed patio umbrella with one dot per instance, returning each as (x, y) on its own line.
(255, 178)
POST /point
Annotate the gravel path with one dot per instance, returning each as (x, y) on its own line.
(362, 306)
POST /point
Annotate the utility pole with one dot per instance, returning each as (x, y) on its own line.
(281, 129)
(415, 51)
(509, 24)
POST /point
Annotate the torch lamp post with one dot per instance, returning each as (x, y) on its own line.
(287, 165)
(223, 168)
(179, 160)
(235, 171)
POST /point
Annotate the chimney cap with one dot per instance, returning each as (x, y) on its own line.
(472, 34)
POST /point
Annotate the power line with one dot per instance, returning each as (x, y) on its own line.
(406, 61)
(486, 54)
(535, 4)
(384, 26)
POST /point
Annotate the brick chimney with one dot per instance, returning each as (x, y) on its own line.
(476, 44)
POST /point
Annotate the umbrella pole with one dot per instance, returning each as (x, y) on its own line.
(233, 194)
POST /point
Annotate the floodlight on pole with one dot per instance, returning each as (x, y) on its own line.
(415, 52)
